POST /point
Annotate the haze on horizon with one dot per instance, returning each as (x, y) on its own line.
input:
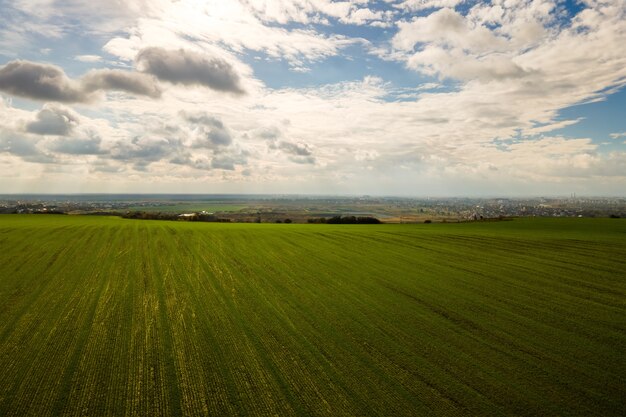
(389, 97)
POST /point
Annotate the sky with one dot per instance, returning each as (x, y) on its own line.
(387, 97)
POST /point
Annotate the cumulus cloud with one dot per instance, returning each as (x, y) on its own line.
(448, 28)
(303, 159)
(199, 141)
(145, 149)
(300, 153)
(78, 146)
(299, 149)
(362, 16)
(229, 160)
(11, 143)
(40, 82)
(189, 68)
(130, 82)
(210, 131)
(53, 120)
(24, 147)
(142, 151)
(437, 61)
(415, 5)
(269, 133)
(223, 162)
(520, 52)
(50, 83)
(203, 119)
(218, 137)
(488, 42)
(181, 159)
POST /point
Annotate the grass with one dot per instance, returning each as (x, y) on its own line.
(105, 316)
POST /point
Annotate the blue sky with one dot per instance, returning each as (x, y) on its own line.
(598, 120)
(390, 97)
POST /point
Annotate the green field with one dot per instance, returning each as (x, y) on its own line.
(106, 316)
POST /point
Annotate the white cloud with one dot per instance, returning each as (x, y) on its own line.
(448, 28)
(514, 79)
(78, 146)
(415, 5)
(550, 127)
(316, 11)
(445, 63)
(367, 16)
(96, 16)
(192, 24)
(216, 25)
(53, 120)
(514, 66)
(88, 58)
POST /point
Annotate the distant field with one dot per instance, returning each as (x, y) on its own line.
(105, 316)
(190, 208)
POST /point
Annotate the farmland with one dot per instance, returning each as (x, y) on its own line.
(109, 316)
(190, 207)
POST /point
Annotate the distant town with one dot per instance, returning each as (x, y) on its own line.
(302, 209)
